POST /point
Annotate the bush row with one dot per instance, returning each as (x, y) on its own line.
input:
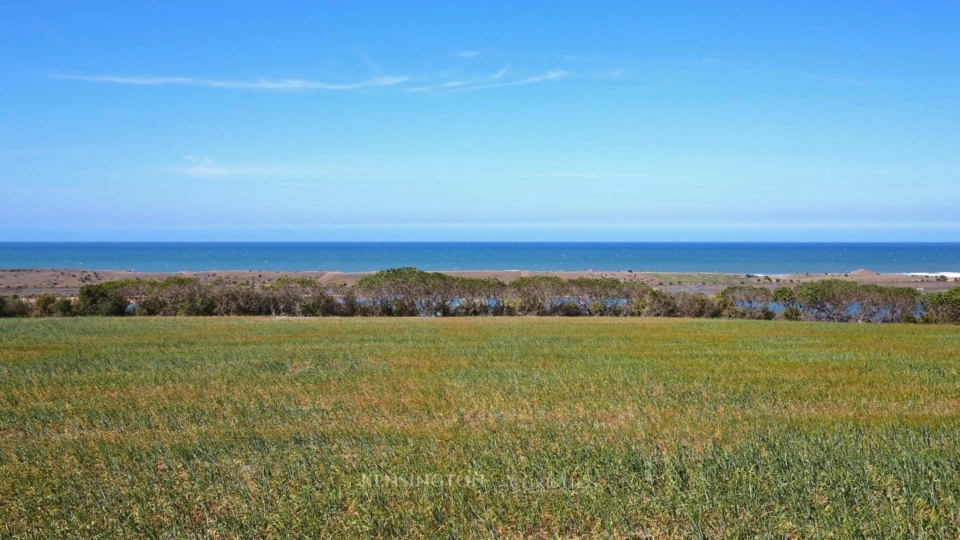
(410, 292)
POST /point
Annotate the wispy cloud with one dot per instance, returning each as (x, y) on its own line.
(359, 168)
(288, 85)
(552, 75)
(437, 83)
(454, 84)
(209, 169)
(206, 168)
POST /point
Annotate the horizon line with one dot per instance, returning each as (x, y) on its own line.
(479, 242)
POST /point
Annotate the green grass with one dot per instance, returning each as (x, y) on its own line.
(536, 427)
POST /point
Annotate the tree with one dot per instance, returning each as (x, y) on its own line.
(656, 303)
(476, 296)
(745, 301)
(942, 307)
(787, 298)
(599, 296)
(103, 299)
(537, 294)
(693, 305)
(12, 306)
(44, 305)
(408, 292)
(827, 300)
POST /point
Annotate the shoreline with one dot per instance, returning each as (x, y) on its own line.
(67, 281)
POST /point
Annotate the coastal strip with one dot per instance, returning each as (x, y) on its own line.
(27, 282)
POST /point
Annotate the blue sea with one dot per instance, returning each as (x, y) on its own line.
(758, 258)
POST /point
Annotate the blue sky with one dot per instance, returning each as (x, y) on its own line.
(483, 121)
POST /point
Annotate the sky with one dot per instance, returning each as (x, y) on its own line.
(481, 121)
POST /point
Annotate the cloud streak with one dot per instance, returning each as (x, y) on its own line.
(281, 85)
(550, 76)
(358, 168)
(208, 169)
(300, 85)
(436, 84)
(454, 84)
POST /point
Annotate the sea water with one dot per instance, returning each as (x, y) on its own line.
(757, 258)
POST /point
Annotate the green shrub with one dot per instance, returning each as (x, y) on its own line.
(408, 292)
(657, 303)
(64, 307)
(103, 299)
(537, 293)
(176, 281)
(569, 308)
(745, 301)
(693, 305)
(13, 306)
(282, 282)
(411, 292)
(44, 305)
(785, 296)
(792, 313)
(942, 307)
(827, 300)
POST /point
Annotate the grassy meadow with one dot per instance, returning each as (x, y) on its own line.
(477, 427)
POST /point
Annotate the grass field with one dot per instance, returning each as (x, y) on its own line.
(477, 427)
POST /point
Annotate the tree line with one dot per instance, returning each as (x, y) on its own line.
(408, 292)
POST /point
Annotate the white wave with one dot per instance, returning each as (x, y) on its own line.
(950, 275)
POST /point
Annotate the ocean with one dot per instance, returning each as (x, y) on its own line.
(757, 258)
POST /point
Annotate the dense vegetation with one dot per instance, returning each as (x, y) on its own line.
(410, 292)
(477, 427)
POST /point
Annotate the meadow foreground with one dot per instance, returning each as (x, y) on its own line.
(477, 427)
